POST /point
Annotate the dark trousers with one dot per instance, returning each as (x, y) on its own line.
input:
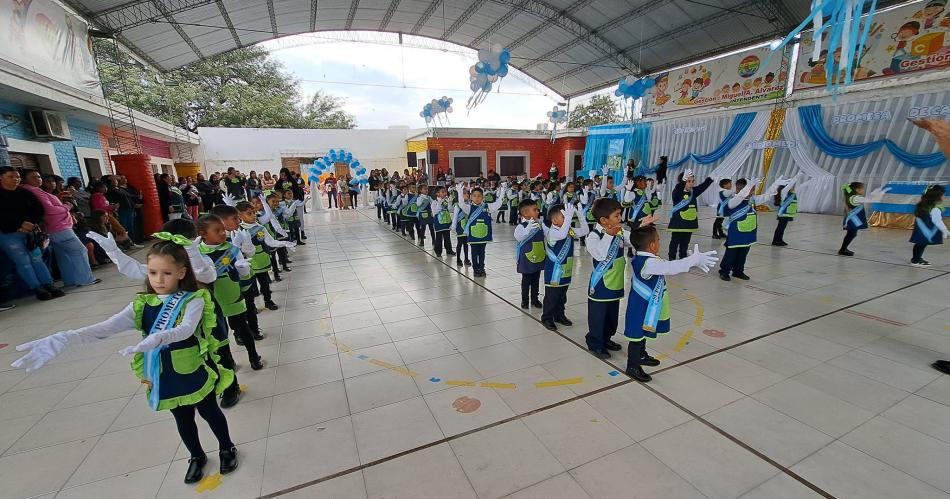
(251, 315)
(779, 236)
(380, 211)
(636, 351)
(263, 285)
(513, 216)
(919, 252)
(293, 228)
(353, 199)
(462, 246)
(529, 286)
(717, 228)
(210, 412)
(274, 265)
(501, 216)
(238, 324)
(602, 317)
(478, 257)
(225, 359)
(422, 226)
(555, 300)
(442, 239)
(394, 220)
(408, 227)
(848, 237)
(331, 195)
(679, 243)
(734, 261)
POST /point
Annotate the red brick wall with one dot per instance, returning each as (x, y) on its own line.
(543, 152)
(150, 146)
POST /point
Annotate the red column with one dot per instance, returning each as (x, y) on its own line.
(138, 169)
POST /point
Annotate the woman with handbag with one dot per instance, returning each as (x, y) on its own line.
(22, 214)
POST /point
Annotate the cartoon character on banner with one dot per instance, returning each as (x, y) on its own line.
(631, 89)
(556, 116)
(436, 110)
(492, 65)
(837, 23)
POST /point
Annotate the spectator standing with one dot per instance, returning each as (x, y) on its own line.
(267, 181)
(329, 185)
(164, 196)
(253, 184)
(81, 197)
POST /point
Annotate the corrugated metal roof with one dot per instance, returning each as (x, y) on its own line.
(572, 46)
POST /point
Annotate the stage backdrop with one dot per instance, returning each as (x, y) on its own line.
(42, 37)
(738, 79)
(908, 39)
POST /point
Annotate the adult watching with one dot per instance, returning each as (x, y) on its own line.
(22, 213)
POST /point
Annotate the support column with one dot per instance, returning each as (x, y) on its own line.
(183, 170)
(138, 169)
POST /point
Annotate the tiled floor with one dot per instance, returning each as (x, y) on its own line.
(392, 374)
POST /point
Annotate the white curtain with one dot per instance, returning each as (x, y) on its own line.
(730, 164)
(817, 194)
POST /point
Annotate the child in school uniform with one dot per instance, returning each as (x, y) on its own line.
(606, 245)
(181, 375)
(743, 226)
(392, 205)
(648, 307)
(786, 207)
(559, 261)
(517, 194)
(241, 239)
(264, 246)
(684, 212)
(458, 218)
(856, 218)
(424, 214)
(289, 213)
(477, 224)
(408, 211)
(529, 252)
(725, 192)
(266, 207)
(587, 198)
(442, 222)
(928, 224)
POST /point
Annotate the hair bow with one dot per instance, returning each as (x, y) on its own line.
(846, 188)
(175, 238)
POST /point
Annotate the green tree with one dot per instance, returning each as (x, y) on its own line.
(599, 111)
(240, 88)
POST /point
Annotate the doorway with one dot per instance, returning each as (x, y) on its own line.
(93, 168)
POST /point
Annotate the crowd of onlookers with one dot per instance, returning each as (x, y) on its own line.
(47, 220)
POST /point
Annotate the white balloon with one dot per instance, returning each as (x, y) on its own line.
(483, 55)
(497, 48)
(449, 109)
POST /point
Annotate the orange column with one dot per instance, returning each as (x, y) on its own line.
(183, 170)
(138, 169)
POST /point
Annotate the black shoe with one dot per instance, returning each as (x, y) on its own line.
(450, 253)
(269, 305)
(549, 326)
(229, 400)
(537, 303)
(42, 294)
(258, 335)
(740, 275)
(601, 354)
(303, 236)
(716, 236)
(6, 306)
(638, 374)
(286, 268)
(238, 340)
(480, 273)
(468, 263)
(920, 263)
(257, 364)
(942, 366)
(844, 252)
(524, 305)
(779, 243)
(56, 292)
(195, 469)
(229, 460)
(438, 255)
(301, 243)
(724, 277)
(613, 346)
(649, 361)
(277, 278)
(458, 263)
(564, 321)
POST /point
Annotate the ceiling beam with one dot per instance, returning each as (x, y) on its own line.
(181, 32)
(138, 12)
(600, 30)
(313, 15)
(227, 20)
(355, 4)
(273, 17)
(424, 18)
(497, 25)
(547, 22)
(388, 16)
(477, 4)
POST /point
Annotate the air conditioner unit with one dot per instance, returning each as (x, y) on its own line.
(49, 125)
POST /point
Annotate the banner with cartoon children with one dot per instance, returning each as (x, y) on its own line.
(746, 77)
(42, 37)
(907, 39)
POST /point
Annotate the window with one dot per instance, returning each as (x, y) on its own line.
(467, 166)
(511, 166)
(93, 168)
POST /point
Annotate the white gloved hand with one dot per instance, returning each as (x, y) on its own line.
(41, 351)
(703, 260)
(878, 194)
(291, 247)
(532, 225)
(605, 170)
(107, 243)
(591, 174)
(228, 199)
(569, 212)
(150, 342)
(194, 251)
(243, 266)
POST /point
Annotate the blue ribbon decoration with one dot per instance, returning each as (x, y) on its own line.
(740, 125)
(152, 358)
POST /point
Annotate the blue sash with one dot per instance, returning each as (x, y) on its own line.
(739, 215)
(219, 264)
(785, 204)
(654, 300)
(602, 267)
(524, 241)
(637, 207)
(926, 231)
(167, 316)
(558, 259)
(679, 206)
(853, 215)
(472, 217)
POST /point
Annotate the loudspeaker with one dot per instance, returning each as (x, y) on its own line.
(433, 156)
(411, 159)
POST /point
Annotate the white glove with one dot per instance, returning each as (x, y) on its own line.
(194, 251)
(150, 342)
(228, 199)
(532, 225)
(107, 243)
(591, 173)
(41, 351)
(569, 212)
(291, 247)
(605, 170)
(243, 266)
(703, 260)
(247, 246)
(878, 194)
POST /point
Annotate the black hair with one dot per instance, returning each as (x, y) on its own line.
(223, 211)
(206, 221)
(741, 183)
(778, 195)
(180, 256)
(604, 207)
(849, 191)
(526, 203)
(6, 169)
(181, 227)
(478, 190)
(928, 200)
(244, 206)
(72, 180)
(723, 182)
(555, 209)
(643, 236)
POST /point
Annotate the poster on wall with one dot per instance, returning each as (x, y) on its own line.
(614, 154)
(908, 39)
(42, 37)
(743, 78)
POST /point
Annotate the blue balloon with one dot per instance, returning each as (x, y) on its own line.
(649, 83)
(503, 71)
(480, 67)
(474, 86)
(356, 164)
(487, 86)
(504, 57)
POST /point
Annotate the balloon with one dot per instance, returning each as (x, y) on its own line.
(617, 92)
(474, 86)
(356, 164)
(503, 71)
(505, 56)
(472, 71)
(480, 67)
(449, 110)
(630, 80)
(483, 55)
(496, 48)
(649, 82)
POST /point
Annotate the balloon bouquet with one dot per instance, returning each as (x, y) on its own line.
(632, 88)
(556, 116)
(435, 110)
(491, 66)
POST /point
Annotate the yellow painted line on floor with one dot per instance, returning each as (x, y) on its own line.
(394, 368)
(208, 483)
(456, 382)
(699, 308)
(560, 382)
(503, 386)
(681, 344)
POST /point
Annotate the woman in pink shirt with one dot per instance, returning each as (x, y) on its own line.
(70, 252)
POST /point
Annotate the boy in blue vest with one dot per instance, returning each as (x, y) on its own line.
(641, 204)
(725, 192)
(648, 307)
(559, 261)
(461, 243)
(408, 211)
(442, 222)
(529, 253)
(743, 226)
(477, 223)
(685, 212)
(605, 244)
(424, 214)
(786, 204)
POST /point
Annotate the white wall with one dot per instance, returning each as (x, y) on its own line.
(261, 149)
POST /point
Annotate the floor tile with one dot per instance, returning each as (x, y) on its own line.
(645, 476)
(430, 473)
(302, 455)
(813, 407)
(575, 433)
(561, 486)
(23, 477)
(394, 428)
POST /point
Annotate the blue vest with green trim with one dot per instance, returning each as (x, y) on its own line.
(856, 218)
(789, 207)
(648, 307)
(478, 225)
(443, 220)
(608, 284)
(530, 252)
(559, 262)
(743, 225)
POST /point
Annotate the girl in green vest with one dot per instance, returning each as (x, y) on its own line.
(173, 359)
